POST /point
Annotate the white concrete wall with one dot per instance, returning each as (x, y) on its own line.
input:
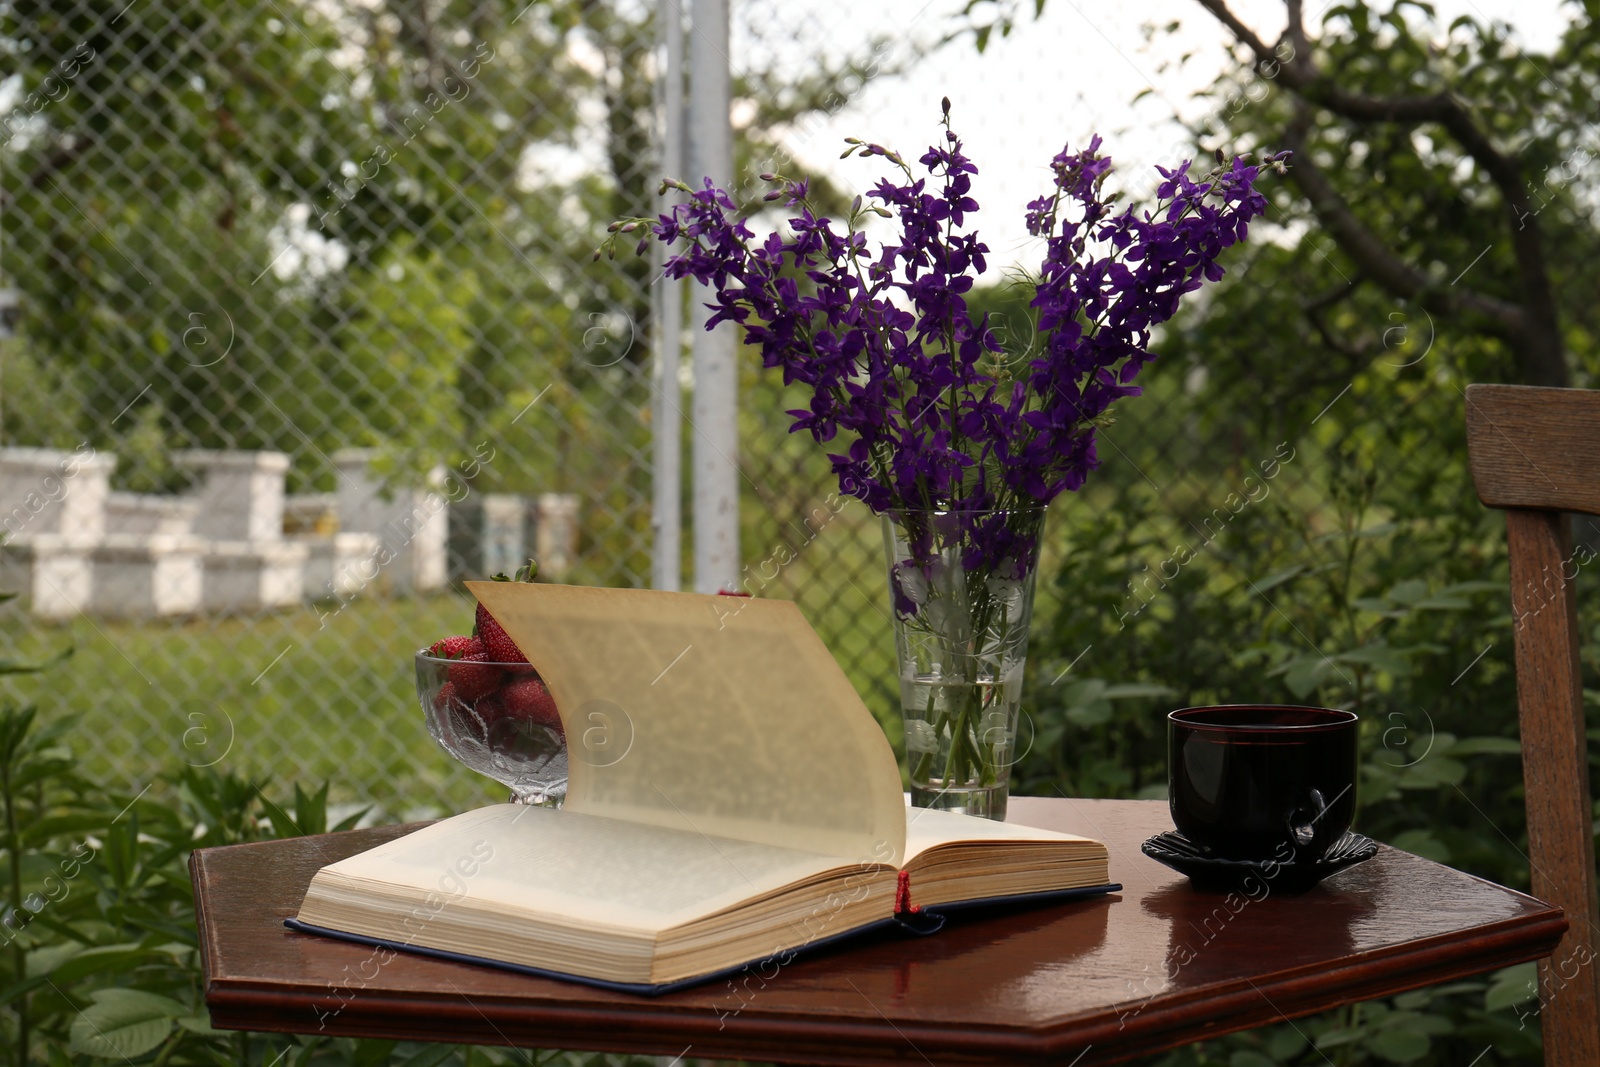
(54, 491)
(413, 525)
(240, 493)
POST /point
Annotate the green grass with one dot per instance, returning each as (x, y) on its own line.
(326, 692)
(302, 695)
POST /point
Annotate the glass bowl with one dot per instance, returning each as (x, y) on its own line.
(498, 719)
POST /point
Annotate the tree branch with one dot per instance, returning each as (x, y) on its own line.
(1537, 333)
(1313, 311)
(1297, 28)
(1374, 257)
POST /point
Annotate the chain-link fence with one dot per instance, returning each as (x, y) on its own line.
(304, 292)
(301, 328)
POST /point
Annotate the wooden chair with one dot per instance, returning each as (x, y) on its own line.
(1535, 452)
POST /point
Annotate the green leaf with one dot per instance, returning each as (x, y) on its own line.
(1422, 843)
(1272, 581)
(47, 958)
(311, 810)
(1084, 691)
(1414, 1000)
(1514, 985)
(1408, 592)
(430, 1056)
(42, 830)
(1399, 1045)
(1284, 1043)
(107, 959)
(11, 666)
(1379, 656)
(17, 989)
(349, 821)
(1382, 529)
(1486, 746)
(1339, 1035)
(1095, 714)
(1432, 772)
(1476, 586)
(372, 1053)
(1420, 1023)
(124, 1023)
(282, 824)
(201, 1024)
(1304, 674)
(1135, 689)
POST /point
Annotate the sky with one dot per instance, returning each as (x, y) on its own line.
(1056, 81)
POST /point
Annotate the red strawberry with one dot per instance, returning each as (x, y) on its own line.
(501, 648)
(528, 699)
(495, 639)
(444, 697)
(475, 720)
(490, 709)
(474, 676)
(455, 647)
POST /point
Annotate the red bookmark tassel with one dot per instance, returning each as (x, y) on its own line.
(902, 895)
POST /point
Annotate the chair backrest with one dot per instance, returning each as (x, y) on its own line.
(1535, 452)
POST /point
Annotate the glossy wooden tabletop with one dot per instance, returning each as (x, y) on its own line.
(1154, 966)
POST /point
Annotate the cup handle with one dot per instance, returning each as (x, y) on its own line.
(1303, 822)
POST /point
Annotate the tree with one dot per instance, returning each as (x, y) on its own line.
(1450, 169)
(298, 225)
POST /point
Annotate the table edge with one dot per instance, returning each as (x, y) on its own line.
(1158, 1023)
(1162, 1022)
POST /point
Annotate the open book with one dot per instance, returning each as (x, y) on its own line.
(730, 799)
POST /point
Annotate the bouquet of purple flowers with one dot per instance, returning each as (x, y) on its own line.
(931, 421)
(930, 410)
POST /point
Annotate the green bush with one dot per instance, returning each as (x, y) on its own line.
(1362, 574)
(101, 957)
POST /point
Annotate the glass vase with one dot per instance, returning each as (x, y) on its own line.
(961, 590)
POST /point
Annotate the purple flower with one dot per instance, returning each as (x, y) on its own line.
(906, 388)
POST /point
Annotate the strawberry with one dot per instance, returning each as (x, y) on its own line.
(474, 676)
(455, 647)
(528, 699)
(475, 720)
(501, 648)
(490, 709)
(494, 637)
(445, 697)
(470, 675)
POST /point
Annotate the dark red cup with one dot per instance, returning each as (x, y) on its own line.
(1267, 782)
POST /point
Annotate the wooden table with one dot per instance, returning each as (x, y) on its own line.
(1155, 966)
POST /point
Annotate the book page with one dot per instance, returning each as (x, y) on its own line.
(952, 858)
(928, 828)
(508, 860)
(723, 716)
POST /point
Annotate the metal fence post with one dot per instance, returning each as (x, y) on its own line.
(667, 550)
(716, 490)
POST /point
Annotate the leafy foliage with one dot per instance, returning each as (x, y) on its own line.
(1296, 522)
(101, 959)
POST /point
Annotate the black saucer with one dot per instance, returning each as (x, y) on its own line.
(1213, 872)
